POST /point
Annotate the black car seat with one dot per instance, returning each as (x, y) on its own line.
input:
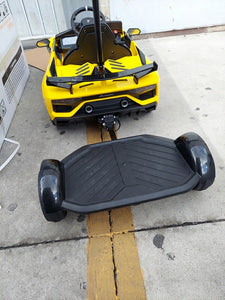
(85, 48)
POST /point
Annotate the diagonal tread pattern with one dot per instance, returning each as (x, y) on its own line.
(122, 169)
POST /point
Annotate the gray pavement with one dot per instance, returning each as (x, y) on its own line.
(45, 271)
(180, 240)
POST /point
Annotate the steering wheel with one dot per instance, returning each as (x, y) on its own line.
(84, 21)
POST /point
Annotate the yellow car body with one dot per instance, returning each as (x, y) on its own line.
(93, 98)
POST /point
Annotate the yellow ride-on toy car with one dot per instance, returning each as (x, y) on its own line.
(96, 71)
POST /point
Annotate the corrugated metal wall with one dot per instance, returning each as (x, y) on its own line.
(71, 5)
(37, 18)
(41, 18)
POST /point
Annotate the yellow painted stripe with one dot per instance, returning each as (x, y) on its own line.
(98, 224)
(113, 263)
(130, 283)
(100, 275)
(93, 133)
(122, 220)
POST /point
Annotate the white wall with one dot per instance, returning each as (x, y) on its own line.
(165, 15)
(39, 18)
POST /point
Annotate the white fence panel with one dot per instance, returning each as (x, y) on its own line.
(37, 18)
(19, 17)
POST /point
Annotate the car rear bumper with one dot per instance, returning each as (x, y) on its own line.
(117, 106)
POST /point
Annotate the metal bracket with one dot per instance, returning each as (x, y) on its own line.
(109, 122)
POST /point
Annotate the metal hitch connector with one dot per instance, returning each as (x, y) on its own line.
(109, 122)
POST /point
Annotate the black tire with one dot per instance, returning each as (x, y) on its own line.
(56, 216)
(50, 191)
(197, 154)
(61, 124)
(149, 110)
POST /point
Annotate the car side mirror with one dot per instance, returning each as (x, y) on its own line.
(133, 31)
(43, 43)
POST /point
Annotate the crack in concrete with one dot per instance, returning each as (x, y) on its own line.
(113, 256)
(185, 224)
(25, 245)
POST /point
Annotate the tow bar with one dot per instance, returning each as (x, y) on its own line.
(109, 123)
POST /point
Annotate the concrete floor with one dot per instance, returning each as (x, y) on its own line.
(180, 240)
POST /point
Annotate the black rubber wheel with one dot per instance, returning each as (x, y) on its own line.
(54, 217)
(61, 124)
(50, 191)
(197, 154)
